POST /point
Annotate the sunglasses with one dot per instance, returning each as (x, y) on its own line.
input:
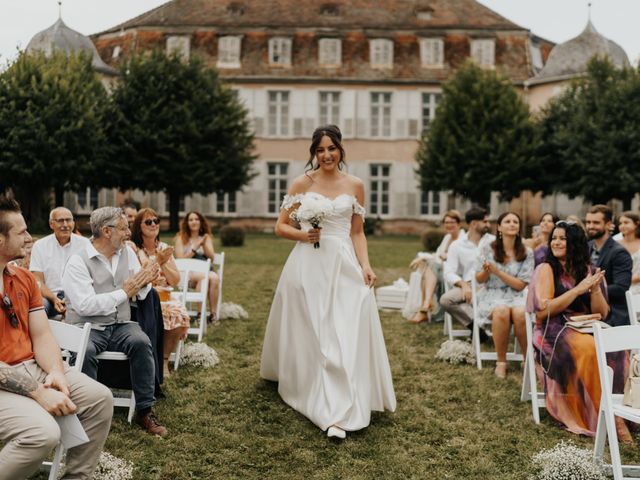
(151, 221)
(8, 306)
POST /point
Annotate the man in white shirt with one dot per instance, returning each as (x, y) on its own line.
(98, 282)
(459, 267)
(49, 256)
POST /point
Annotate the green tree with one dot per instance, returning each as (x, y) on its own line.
(52, 135)
(179, 129)
(481, 140)
(590, 135)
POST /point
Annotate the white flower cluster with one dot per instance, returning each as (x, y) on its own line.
(113, 468)
(232, 310)
(313, 208)
(199, 354)
(566, 461)
(456, 351)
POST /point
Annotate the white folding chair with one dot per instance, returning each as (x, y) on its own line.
(614, 340)
(121, 397)
(475, 337)
(187, 266)
(448, 323)
(633, 305)
(71, 339)
(529, 381)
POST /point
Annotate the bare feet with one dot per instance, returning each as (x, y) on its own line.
(421, 315)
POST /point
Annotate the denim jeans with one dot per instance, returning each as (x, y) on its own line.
(49, 309)
(130, 339)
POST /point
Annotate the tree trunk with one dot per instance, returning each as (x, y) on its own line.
(33, 206)
(174, 207)
(59, 191)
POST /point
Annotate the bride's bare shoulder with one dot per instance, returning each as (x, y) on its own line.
(300, 184)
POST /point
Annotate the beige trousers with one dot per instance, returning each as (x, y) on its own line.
(30, 433)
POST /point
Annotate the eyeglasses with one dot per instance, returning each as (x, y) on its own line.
(8, 306)
(151, 221)
(62, 221)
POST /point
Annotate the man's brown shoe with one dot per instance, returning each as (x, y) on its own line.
(150, 423)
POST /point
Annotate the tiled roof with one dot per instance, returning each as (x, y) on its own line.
(366, 14)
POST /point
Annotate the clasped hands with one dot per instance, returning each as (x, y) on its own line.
(147, 274)
(53, 395)
(590, 281)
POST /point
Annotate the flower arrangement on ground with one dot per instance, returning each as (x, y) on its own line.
(199, 354)
(233, 311)
(455, 352)
(565, 461)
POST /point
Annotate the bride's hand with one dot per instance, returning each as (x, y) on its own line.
(369, 276)
(313, 235)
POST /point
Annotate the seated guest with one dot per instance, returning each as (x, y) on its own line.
(540, 246)
(50, 255)
(146, 237)
(611, 257)
(504, 267)
(35, 385)
(429, 266)
(194, 240)
(99, 281)
(563, 286)
(131, 212)
(459, 268)
(630, 229)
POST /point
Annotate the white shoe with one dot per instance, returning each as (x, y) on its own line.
(337, 432)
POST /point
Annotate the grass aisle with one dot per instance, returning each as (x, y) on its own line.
(451, 421)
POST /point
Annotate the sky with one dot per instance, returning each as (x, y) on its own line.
(555, 20)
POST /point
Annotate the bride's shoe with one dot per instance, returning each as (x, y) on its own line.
(337, 432)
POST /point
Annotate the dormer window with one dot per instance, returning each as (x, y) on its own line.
(330, 10)
(483, 52)
(381, 53)
(280, 52)
(116, 52)
(425, 13)
(432, 52)
(330, 52)
(235, 9)
(229, 51)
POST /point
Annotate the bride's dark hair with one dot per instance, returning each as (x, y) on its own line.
(331, 131)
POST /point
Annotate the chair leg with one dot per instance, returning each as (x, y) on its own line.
(601, 436)
(56, 463)
(612, 435)
(176, 358)
(525, 391)
(132, 407)
(476, 344)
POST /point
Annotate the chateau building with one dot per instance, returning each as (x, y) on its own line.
(374, 68)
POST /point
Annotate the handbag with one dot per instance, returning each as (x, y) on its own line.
(585, 326)
(631, 396)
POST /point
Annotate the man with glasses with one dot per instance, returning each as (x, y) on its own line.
(98, 282)
(49, 256)
(613, 258)
(35, 385)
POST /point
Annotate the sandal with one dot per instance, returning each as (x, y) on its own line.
(501, 369)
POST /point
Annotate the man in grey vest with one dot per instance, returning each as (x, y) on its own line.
(98, 282)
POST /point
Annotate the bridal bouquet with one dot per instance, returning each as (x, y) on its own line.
(313, 209)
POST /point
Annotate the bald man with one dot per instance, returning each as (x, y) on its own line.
(49, 257)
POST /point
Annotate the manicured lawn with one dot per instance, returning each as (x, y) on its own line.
(226, 422)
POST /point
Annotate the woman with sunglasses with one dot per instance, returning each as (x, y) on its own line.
(564, 286)
(145, 235)
(194, 240)
(504, 269)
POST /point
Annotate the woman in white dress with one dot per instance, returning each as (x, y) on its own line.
(428, 273)
(630, 229)
(323, 342)
(504, 268)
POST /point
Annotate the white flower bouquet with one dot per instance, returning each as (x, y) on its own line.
(113, 468)
(232, 310)
(199, 354)
(566, 461)
(313, 209)
(456, 351)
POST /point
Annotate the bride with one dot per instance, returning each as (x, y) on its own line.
(324, 343)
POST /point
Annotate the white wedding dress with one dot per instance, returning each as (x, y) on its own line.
(324, 343)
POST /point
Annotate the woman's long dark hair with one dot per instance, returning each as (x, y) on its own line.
(554, 217)
(498, 245)
(635, 218)
(185, 232)
(577, 258)
(331, 131)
